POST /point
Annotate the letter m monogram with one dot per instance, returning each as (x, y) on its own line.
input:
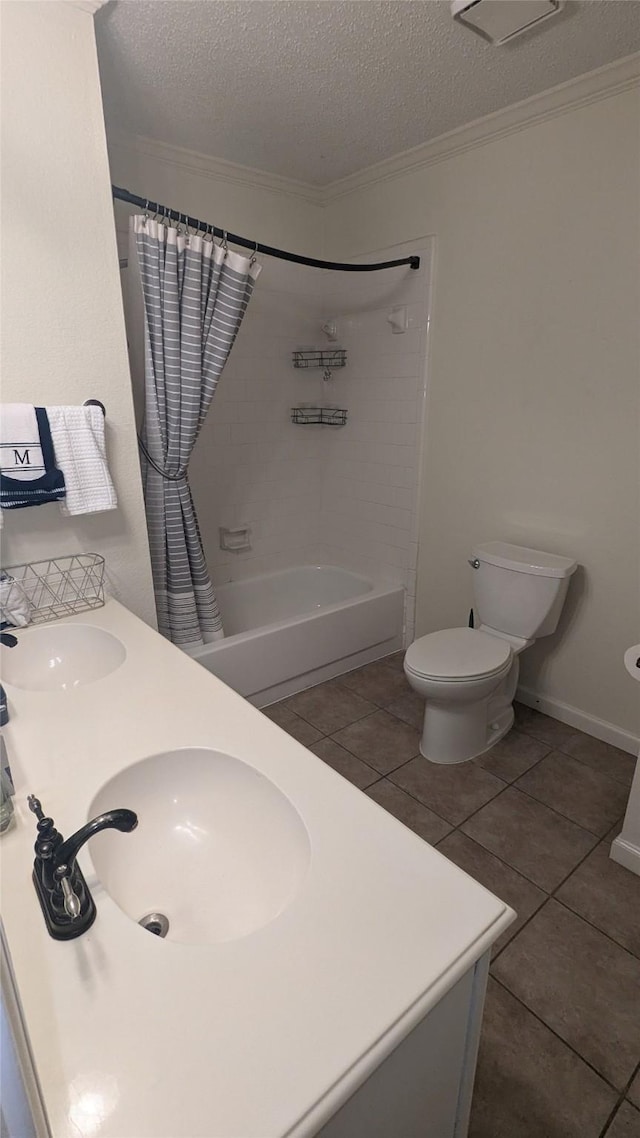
(23, 459)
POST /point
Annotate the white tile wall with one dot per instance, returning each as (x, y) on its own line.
(251, 466)
(348, 494)
(370, 486)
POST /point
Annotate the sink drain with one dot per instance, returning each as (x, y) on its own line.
(155, 923)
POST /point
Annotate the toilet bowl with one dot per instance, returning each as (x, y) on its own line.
(469, 676)
(458, 671)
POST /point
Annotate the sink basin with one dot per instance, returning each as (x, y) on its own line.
(219, 850)
(61, 657)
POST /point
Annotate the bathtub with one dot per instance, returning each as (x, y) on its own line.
(288, 630)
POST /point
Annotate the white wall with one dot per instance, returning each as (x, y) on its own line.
(259, 206)
(63, 335)
(532, 430)
(370, 483)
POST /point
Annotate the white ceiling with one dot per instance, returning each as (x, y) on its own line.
(317, 89)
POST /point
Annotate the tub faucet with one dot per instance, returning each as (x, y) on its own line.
(67, 905)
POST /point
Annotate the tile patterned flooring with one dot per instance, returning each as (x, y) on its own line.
(532, 820)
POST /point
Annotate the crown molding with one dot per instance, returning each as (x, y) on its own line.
(218, 169)
(90, 6)
(609, 80)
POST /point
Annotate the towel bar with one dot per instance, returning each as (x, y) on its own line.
(95, 403)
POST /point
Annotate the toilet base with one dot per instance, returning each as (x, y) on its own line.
(442, 743)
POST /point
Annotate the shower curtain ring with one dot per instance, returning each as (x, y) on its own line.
(225, 244)
(254, 255)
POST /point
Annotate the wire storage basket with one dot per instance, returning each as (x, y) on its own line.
(329, 358)
(322, 416)
(60, 586)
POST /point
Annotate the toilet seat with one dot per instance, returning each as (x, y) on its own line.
(457, 654)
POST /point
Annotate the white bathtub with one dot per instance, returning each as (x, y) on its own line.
(288, 630)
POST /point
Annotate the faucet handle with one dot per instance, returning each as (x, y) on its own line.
(35, 806)
(72, 904)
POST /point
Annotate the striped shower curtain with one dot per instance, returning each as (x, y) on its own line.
(195, 297)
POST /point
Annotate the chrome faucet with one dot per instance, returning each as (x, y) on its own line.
(67, 905)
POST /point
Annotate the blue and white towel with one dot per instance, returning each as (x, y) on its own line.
(28, 472)
(78, 453)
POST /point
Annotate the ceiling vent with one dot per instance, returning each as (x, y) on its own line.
(499, 21)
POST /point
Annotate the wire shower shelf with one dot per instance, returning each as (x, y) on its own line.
(60, 586)
(327, 359)
(319, 416)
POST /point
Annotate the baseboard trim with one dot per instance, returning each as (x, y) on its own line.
(626, 854)
(590, 724)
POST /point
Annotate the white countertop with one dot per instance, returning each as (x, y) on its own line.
(261, 1037)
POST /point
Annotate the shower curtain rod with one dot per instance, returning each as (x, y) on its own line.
(255, 246)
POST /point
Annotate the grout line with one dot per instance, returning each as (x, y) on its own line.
(559, 1037)
(597, 929)
(552, 896)
(622, 1098)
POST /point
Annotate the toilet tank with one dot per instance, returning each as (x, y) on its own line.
(517, 590)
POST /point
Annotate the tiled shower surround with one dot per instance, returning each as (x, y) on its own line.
(310, 494)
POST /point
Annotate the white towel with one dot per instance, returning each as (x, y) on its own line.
(79, 445)
(14, 603)
(20, 450)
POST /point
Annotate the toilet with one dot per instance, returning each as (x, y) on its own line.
(469, 676)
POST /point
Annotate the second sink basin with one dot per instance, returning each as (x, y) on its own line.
(219, 850)
(61, 657)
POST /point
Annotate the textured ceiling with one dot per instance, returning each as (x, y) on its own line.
(317, 89)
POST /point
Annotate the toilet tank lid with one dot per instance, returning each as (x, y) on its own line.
(523, 560)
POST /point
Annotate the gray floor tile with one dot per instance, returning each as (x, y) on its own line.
(528, 1083)
(345, 763)
(454, 791)
(634, 1091)
(395, 660)
(536, 841)
(580, 983)
(410, 708)
(376, 682)
(513, 755)
(499, 878)
(606, 895)
(380, 740)
(625, 1124)
(329, 706)
(615, 830)
(602, 757)
(417, 817)
(543, 727)
(586, 796)
(292, 724)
